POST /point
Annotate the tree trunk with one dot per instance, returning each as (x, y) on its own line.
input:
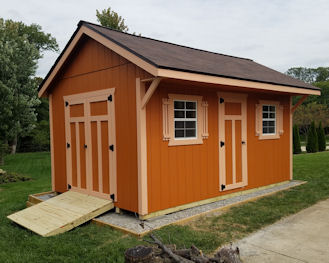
(14, 145)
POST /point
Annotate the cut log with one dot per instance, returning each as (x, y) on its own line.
(139, 254)
(175, 257)
(229, 255)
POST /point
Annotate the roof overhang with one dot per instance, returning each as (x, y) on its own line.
(159, 72)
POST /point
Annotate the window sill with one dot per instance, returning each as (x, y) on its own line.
(185, 142)
(269, 137)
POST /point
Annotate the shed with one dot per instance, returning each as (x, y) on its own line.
(158, 127)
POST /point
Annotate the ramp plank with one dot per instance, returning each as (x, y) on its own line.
(61, 213)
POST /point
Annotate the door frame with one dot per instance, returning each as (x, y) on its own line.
(86, 98)
(239, 98)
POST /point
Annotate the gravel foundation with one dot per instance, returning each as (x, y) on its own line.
(130, 222)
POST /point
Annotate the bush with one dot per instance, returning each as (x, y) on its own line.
(321, 138)
(312, 145)
(296, 140)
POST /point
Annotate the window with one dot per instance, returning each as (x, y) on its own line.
(185, 119)
(269, 119)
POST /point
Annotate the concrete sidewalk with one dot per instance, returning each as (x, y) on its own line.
(303, 237)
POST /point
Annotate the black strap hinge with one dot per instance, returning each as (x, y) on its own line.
(68, 145)
(66, 104)
(222, 187)
(222, 143)
(69, 186)
(109, 98)
(111, 147)
(112, 196)
(221, 100)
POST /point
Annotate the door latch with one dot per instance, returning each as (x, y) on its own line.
(222, 143)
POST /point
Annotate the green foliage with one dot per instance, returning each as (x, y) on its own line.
(3, 151)
(321, 138)
(306, 113)
(20, 48)
(309, 75)
(111, 19)
(312, 145)
(12, 177)
(296, 140)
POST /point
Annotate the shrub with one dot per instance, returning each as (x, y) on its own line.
(321, 138)
(296, 140)
(312, 145)
(3, 151)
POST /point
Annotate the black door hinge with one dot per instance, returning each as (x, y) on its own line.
(112, 196)
(221, 100)
(222, 187)
(111, 147)
(69, 186)
(222, 143)
(66, 104)
(243, 142)
(68, 145)
(109, 98)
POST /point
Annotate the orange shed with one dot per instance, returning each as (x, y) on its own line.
(158, 127)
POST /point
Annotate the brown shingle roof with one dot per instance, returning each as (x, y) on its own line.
(171, 56)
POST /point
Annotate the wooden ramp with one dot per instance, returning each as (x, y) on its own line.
(61, 213)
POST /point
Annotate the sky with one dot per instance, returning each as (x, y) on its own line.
(279, 33)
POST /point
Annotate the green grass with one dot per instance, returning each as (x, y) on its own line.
(91, 243)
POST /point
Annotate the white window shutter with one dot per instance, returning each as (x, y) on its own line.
(280, 119)
(165, 118)
(204, 133)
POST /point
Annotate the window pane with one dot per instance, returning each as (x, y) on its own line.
(265, 115)
(179, 124)
(190, 124)
(190, 133)
(272, 108)
(271, 130)
(190, 114)
(265, 123)
(190, 105)
(264, 129)
(271, 123)
(265, 108)
(179, 133)
(179, 104)
(179, 114)
(272, 115)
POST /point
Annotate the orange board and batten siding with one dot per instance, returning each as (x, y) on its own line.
(94, 67)
(184, 174)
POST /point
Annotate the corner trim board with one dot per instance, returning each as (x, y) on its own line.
(141, 149)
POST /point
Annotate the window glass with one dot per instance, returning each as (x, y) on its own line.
(185, 113)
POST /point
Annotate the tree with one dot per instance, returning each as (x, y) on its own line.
(111, 19)
(305, 114)
(321, 138)
(296, 140)
(309, 75)
(312, 145)
(21, 46)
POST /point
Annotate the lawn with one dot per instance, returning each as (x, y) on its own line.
(92, 243)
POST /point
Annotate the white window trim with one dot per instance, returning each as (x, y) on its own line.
(171, 120)
(278, 123)
(187, 119)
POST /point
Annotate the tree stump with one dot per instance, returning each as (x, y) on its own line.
(139, 254)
